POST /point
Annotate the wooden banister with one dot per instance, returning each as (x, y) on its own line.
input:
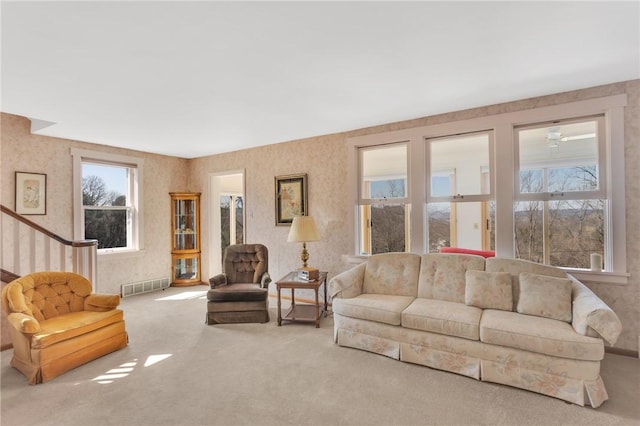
(41, 250)
(7, 277)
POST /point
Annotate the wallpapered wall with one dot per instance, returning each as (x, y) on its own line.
(23, 151)
(324, 159)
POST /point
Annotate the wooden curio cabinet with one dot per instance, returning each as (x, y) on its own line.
(185, 234)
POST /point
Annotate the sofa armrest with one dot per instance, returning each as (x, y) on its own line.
(348, 284)
(24, 323)
(218, 280)
(265, 280)
(101, 302)
(591, 316)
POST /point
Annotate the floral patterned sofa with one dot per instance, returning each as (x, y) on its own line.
(505, 321)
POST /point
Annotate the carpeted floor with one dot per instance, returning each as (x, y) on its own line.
(179, 371)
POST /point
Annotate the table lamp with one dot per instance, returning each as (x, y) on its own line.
(303, 229)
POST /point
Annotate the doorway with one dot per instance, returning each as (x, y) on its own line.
(227, 217)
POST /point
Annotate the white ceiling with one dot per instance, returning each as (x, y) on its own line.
(191, 79)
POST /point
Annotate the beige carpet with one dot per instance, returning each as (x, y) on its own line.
(179, 371)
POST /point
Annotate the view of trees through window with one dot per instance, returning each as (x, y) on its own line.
(105, 207)
(387, 228)
(559, 209)
(384, 214)
(388, 220)
(570, 229)
(559, 217)
(227, 226)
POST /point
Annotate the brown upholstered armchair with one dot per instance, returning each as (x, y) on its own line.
(241, 292)
(57, 323)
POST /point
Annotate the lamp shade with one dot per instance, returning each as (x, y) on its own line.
(303, 229)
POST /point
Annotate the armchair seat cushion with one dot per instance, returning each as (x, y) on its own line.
(69, 326)
(239, 292)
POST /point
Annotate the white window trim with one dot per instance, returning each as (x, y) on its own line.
(568, 195)
(471, 198)
(386, 200)
(80, 155)
(503, 126)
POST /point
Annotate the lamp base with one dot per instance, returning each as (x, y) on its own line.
(309, 274)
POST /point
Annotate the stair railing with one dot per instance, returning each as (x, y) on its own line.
(28, 247)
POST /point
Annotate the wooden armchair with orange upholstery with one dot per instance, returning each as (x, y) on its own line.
(57, 323)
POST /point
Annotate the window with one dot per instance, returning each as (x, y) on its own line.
(107, 200)
(545, 184)
(560, 213)
(459, 197)
(383, 212)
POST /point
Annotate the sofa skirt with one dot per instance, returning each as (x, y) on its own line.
(42, 365)
(575, 381)
(213, 318)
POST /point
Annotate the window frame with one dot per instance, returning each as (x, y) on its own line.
(363, 202)
(503, 181)
(454, 200)
(459, 198)
(601, 192)
(545, 197)
(135, 166)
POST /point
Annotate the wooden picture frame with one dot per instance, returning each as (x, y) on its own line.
(31, 193)
(291, 198)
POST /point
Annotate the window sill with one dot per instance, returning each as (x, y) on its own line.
(599, 277)
(120, 254)
(355, 259)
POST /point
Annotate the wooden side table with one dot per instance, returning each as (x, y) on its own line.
(302, 312)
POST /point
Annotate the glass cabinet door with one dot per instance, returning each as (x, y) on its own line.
(185, 268)
(185, 224)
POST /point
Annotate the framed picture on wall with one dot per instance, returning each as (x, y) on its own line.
(291, 198)
(31, 193)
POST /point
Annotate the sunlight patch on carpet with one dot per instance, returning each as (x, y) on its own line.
(153, 359)
(185, 295)
(123, 370)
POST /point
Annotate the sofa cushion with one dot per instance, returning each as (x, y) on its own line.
(442, 275)
(439, 316)
(392, 273)
(516, 266)
(373, 307)
(536, 334)
(545, 296)
(488, 290)
(68, 326)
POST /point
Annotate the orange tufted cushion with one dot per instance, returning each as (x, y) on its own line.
(44, 295)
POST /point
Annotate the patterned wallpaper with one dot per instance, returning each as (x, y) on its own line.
(23, 151)
(324, 159)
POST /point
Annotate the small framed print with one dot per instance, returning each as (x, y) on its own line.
(291, 198)
(31, 193)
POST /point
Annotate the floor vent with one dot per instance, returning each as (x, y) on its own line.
(144, 286)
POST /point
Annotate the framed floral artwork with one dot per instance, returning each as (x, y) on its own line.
(291, 198)
(31, 193)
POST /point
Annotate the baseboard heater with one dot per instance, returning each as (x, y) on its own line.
(144, 286)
